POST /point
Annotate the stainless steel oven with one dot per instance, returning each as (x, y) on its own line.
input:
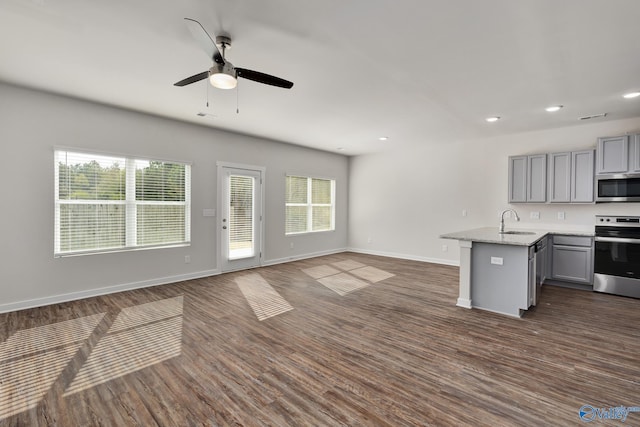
(617, 257)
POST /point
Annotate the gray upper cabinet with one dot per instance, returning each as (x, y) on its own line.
(528, 179)
(560, 177)
(537, 178)
(582, 176)
(613, 155)
(518, 179)
(571, 177)
(634, 165)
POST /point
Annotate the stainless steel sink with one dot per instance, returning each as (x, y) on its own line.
(522, 233)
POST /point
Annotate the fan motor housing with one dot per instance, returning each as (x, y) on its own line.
(224, 41)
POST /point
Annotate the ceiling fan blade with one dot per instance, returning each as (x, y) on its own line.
(204, 40)
(263, 78)
(193, 79)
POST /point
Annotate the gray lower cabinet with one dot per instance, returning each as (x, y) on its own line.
(528, 179)
(572, 259)
(571, 177)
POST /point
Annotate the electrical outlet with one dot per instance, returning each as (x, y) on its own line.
(291, 245)
(187, 259)
(561, 215)
(369, 240)
(464, 212)
(535, 215)
(445, 248)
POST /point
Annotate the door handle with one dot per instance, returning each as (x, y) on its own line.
(224, 227)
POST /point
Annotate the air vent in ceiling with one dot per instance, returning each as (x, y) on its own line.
(201, 114)
(595, 116)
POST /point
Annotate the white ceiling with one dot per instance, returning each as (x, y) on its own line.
(418, 71)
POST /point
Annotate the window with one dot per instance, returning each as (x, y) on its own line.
(309, 205)
(105, 203)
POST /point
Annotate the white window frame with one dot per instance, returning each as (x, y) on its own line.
(309, 205)
(130, 203)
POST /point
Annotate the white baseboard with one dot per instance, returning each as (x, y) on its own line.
(513, 316)
(72, 296)
(303, 256)
(464, 303)
(406, 256)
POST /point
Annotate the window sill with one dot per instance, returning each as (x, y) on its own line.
(302, 233)
(119, 250)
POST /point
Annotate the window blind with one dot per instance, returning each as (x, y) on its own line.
(241, 209)
(111, 203)
(309, 204)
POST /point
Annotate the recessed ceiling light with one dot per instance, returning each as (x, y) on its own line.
(554, 108)
(384, 138)
(631, 95)
(492, 119)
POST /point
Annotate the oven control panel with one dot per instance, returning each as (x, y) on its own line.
(622, 221)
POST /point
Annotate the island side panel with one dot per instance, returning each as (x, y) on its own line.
(500, 288)
(464, 296)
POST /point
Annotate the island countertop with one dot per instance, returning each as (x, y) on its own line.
(491, 235)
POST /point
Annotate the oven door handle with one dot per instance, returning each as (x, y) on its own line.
(617, 240)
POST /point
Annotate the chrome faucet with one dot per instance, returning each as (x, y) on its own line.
(515, 214)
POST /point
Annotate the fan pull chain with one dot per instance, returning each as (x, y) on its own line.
(237, 98)
(207, 94)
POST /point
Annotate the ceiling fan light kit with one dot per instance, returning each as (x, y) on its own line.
(223, 74)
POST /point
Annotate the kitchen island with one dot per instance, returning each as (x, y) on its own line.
(497, 270)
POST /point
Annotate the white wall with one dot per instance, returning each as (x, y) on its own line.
(32, 123)
(401, 201)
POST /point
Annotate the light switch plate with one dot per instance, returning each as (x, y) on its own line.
(496, 260)
(535, 215)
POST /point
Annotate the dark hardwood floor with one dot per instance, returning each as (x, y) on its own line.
(395, 351)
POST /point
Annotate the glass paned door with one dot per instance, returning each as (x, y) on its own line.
(241, 218)
(241, 215)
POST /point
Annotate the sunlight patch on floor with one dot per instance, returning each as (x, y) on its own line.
(139, 337)
(348, 264)
(343, 283)
(43, 338)
(320, 271)
(354, 276)
(265, 301)
(371, 274)
(31, 360)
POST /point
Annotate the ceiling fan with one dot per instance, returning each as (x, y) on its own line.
(223, 74)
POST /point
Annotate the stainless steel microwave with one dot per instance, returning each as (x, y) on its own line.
(618, 188)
